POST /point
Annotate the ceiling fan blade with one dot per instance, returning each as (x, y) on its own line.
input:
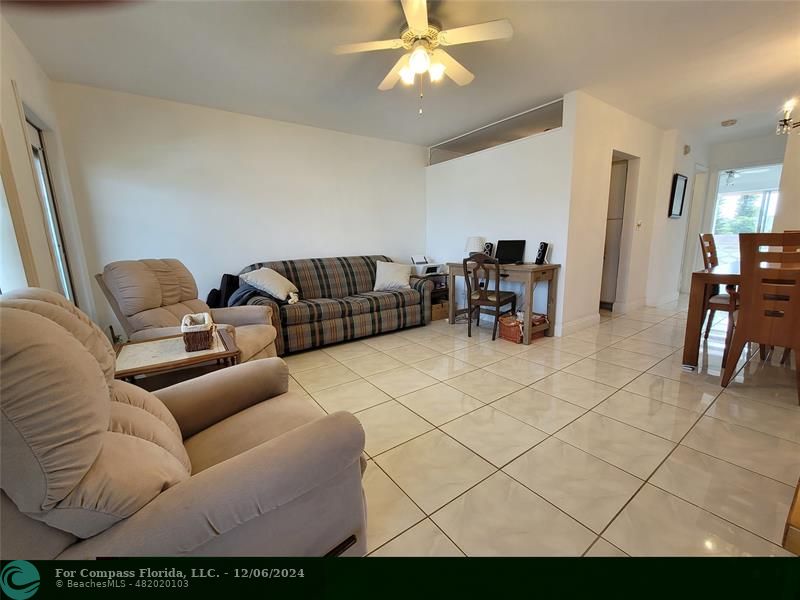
(368, 46)
(452, 68)
(393, 76)
(482, 32)
(416, 12)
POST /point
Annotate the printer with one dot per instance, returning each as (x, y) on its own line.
(420, 266)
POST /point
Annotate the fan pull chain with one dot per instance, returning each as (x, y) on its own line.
(421, 95)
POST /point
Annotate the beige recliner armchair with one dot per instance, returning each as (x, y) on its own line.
(226, 464)
(149, 297)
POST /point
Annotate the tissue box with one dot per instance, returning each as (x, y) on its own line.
(198, 332)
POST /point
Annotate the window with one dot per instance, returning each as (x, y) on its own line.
(746, 203)
(52, 222)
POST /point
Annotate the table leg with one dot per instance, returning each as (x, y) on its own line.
(526, 335)
(451, 298)
(694, 324)
(552, 287)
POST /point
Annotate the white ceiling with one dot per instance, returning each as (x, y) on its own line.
(686, 65)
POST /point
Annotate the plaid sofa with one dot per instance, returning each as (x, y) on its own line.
(337, 302)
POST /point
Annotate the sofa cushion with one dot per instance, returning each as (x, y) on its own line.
(250, 428)
(334, 277)
(325, 309)
(58, 309)
(253, 339)
(378, 301)
(320, 309)
(139, 285)
(77, 453)
(166, 316)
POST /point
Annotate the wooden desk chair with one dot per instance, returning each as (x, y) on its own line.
(714, 300)
(769, 310)
(478, 293)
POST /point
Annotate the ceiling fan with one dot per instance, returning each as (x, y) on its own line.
(423, 41)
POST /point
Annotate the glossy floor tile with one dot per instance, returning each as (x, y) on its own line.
(352, 397)
(663, 420)
(602, 548)
(501, 517)
(630, 449)
(391, 511)
(656, 523)
(423, 539)
(766, 418)
(484, 385)
(493, 435)
(574, 389)
(433, 469)
(602, 372)
(566, 446)
(749, 500)
(774, 457)
(588, 489)
(440, 403)
(694, 396)
(540, 410)
(388, 425)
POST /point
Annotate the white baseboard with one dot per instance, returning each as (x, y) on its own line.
(625, 307)
(578, 324)
(666, 298)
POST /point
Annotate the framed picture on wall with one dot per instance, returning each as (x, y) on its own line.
(677, 196)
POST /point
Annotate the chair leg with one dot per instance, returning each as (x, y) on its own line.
(736, 346)
(787, 352)
(469, 320)
(496, 321)
(762, 351)
(728, 338)
(711, 313)
(478, 318)
(797, 371)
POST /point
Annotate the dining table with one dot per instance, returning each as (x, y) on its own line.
(721, 275)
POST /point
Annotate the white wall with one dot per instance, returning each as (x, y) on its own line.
(35, 91)
(220, 190)
(518, 190)
(787, 215)
(600, 130)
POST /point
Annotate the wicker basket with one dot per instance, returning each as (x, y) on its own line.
(198, 332)
(511, 329)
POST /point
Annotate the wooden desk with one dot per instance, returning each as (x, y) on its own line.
(528, 274)
(721, 275)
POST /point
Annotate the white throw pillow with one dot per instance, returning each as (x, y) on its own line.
(271, 282)
(391, 276)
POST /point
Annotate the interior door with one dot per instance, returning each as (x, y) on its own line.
(616, 211)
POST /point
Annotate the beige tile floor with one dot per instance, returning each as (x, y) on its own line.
(593, 444)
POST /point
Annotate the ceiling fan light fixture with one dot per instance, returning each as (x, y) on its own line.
(407, 75)
(436, 71)
(420, 60)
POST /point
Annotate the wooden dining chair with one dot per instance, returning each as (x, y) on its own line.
(787, 352)
(478, 269)
(769, 297)
(714, 299)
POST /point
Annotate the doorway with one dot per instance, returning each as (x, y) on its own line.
(746, 203)
(614, 226)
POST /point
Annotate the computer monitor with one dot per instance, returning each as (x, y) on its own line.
(510, 251)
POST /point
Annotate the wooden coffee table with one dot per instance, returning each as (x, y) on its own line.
(167, 354)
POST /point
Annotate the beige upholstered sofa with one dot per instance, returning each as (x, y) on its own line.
(149, 297)
(226, 464)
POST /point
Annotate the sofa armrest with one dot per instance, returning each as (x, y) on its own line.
(198, 403)
(233, 493)
(425, 288)
(243, 315)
